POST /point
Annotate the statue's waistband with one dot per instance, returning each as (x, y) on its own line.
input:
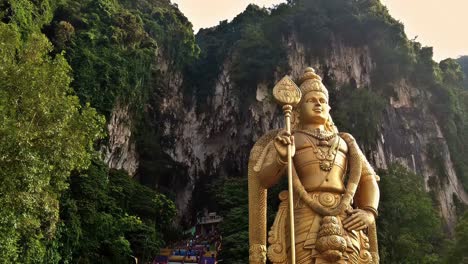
(326, 199)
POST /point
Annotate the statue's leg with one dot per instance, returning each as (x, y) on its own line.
(307, 224)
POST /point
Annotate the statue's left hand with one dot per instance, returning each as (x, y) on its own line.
(358, 219)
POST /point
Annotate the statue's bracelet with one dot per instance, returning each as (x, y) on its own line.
(372, 210)
(280, 161)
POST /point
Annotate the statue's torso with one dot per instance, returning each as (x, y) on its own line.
(310, 164)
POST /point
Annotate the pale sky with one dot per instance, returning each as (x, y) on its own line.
(440, 24)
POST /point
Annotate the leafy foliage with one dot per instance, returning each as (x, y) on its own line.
(231, 196)
(248, 44)
(27, 15)
(45, 134)
(116, 50)
(113, 47)
(107, 216)
(360, 110)
(458, 248)
(463, 61)
(450, 106)
(233, 202)
(409, 228)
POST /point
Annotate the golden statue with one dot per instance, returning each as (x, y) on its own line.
(332, 187)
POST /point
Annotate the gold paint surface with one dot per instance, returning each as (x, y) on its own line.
(333, 183)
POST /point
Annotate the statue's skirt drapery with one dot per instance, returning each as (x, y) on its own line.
(307, 224)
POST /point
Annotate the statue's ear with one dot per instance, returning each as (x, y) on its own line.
(330, 125)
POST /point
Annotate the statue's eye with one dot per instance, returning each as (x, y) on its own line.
(322, 100)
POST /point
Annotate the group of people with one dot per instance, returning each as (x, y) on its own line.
(200, 248)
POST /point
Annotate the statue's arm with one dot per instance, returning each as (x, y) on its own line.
(368, 194)
(272, 170)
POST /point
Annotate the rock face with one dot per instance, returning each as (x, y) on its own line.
(120, 153)
(408, 130)
(217, 141)
(409, 134)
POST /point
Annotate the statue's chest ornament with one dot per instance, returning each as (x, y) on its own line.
(326, 158)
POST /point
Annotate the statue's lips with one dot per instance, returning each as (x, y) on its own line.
(318, 110)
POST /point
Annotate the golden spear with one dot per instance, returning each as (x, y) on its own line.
(287, 94)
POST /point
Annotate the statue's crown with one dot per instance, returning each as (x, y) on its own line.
(310, 81)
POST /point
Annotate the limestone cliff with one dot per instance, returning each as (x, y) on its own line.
(120, 152)
(212, 136)
(217, 141)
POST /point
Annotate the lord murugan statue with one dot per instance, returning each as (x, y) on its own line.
(335, 196)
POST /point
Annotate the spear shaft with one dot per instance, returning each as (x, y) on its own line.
(288, 95)
(287, 109)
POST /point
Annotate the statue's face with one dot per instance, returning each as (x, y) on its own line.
(314, 108)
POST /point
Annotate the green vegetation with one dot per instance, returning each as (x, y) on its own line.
(361, 111)
(247, 44)
(256, 42)
(45, 134)
(107, 216)
(113, 46)
(122, 52)
(409, 228)
(56, 208)
(233, 204)
(231, 198)
(450, 105)
(458, 248)
(463, 61)
(66, 64)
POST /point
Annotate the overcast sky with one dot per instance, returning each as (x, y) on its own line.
(440, 24)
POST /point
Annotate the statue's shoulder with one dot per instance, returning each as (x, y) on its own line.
(347, 137)
(262, 150)
(343, 145)
(301, 140)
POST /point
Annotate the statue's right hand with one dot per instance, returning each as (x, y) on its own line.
(282, 140)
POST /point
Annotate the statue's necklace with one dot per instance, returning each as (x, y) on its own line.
(322, 136)
(326, 159)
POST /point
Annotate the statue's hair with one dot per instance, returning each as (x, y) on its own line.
(311, 82)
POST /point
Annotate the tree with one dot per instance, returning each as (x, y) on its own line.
(463, 61)
(45, 134)
(107, 216)
(458, 248)
(232, 198)
(231, 195)
(359, 111)
(409, 228)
